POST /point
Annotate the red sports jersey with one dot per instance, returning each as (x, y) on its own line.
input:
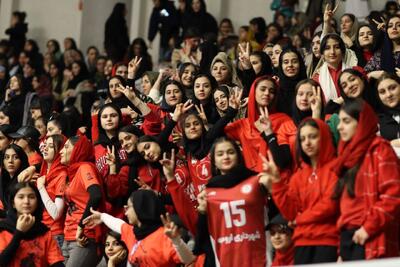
(236, 224)
(200, 172)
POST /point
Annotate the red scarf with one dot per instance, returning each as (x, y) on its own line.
(352, 152)
(83, 151)
(55, 167)
(252, 107)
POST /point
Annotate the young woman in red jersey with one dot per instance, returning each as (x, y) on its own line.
(368, 186)
(276, 136)
(232, 211)
(51, 186)
(306, 199)
(151, 240)
(186, 181)
(24, 239)
(83, 191)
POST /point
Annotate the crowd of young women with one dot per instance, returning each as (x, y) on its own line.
(296, 143)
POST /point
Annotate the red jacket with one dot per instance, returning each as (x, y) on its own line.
(250, 138)
(284, 258)
(377, 184)
(307, 197)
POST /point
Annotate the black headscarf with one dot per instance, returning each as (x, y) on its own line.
(198, 148)
(148, 209)
(10, 222)
(288, 84)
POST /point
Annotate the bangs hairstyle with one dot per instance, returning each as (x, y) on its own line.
(218, 141)
(336, 37)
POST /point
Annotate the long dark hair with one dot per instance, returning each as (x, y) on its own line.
(335, 37)
(120, 242)
(300, 155)
(367, 94)
(220, 140)
(348, 176)
(6, 180)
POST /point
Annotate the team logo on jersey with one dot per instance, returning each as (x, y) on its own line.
(246, 189)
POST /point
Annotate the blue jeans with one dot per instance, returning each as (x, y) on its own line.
(60, 240)
(76, 256)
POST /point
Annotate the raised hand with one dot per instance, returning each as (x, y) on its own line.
(380, 25)
(93, 220)
(170, 228)
(244, 56)
(25, 222)
(270, 169)
(181, 109)
(110, 156)
(329, 13)
(263, 124)
(168, 165)
(133, 66)
(202, 114)
(235, 99)
(316, 102)
(127, 91)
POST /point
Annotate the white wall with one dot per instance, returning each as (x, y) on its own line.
(61, 18)
(50, 19)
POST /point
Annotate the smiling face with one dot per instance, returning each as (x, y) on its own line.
(352, 85)
(221, 100)
(290, 64)
(202, 88)
(109, 119)
(225, 157)
(265, 93)
(150, 151)
(304, 96)
(389, 92)
(192, 127)
(280, 238)
(173, 95)
(25, 201)
(188, 76)
(128, 141)
(11, 161)
(347, 126)
(220, 72)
